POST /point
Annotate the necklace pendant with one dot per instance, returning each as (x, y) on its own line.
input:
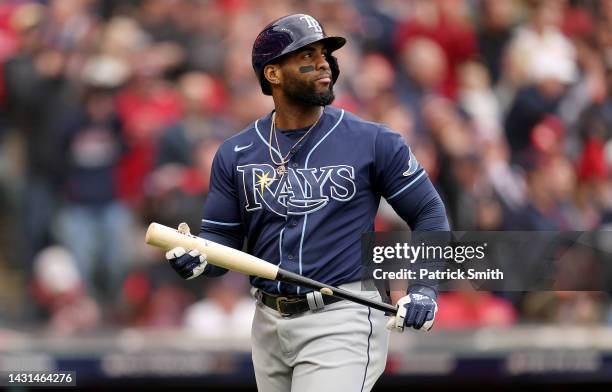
(281, 170)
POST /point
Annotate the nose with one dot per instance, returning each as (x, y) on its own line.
(322, 63)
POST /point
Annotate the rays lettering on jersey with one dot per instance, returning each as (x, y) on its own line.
(300, 192)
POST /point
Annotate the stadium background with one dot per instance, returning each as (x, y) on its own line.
(111, 111)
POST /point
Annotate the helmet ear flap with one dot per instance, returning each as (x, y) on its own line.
(333, 65)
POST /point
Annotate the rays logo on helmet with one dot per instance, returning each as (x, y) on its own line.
(312, 23)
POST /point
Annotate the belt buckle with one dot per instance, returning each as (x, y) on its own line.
(278, 306)
(285, 300)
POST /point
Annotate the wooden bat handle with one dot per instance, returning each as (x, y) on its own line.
(220, 255)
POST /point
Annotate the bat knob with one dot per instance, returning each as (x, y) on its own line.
(183, 228)
(326, 291)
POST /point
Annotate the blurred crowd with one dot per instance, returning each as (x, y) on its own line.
(111, 112)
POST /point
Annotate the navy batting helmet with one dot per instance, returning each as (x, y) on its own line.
(286, 35)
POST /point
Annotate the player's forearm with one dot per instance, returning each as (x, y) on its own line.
(422, 208)
(229, 237)
(432, 215)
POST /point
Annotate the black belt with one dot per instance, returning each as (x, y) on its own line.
(290, 305)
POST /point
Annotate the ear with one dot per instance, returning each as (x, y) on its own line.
(272, 73)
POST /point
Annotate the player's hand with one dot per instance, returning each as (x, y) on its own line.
(187, 264)
(417, 310)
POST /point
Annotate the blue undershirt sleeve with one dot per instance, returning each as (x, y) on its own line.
(422, 208)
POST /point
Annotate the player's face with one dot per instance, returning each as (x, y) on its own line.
(307, 76)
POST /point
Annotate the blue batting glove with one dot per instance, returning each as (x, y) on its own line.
(187, 264)
(417, 309)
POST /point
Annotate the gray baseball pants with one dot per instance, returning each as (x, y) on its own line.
(342, 347)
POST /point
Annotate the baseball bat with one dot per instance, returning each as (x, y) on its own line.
(166, 238)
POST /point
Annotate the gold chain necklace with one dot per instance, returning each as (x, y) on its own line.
(281, 169)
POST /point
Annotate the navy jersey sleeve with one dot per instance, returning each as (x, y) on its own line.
(221, 220)
(401, 180)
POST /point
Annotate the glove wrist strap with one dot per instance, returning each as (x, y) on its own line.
(424, 290)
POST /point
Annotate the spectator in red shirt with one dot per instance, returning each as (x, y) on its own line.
(435, 21)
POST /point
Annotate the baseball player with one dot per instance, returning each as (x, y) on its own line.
(302, 184)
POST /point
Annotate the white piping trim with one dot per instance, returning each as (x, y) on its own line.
(280, 255)
(406, 187)
(305, 167)
(221, 223)
(265, 141)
